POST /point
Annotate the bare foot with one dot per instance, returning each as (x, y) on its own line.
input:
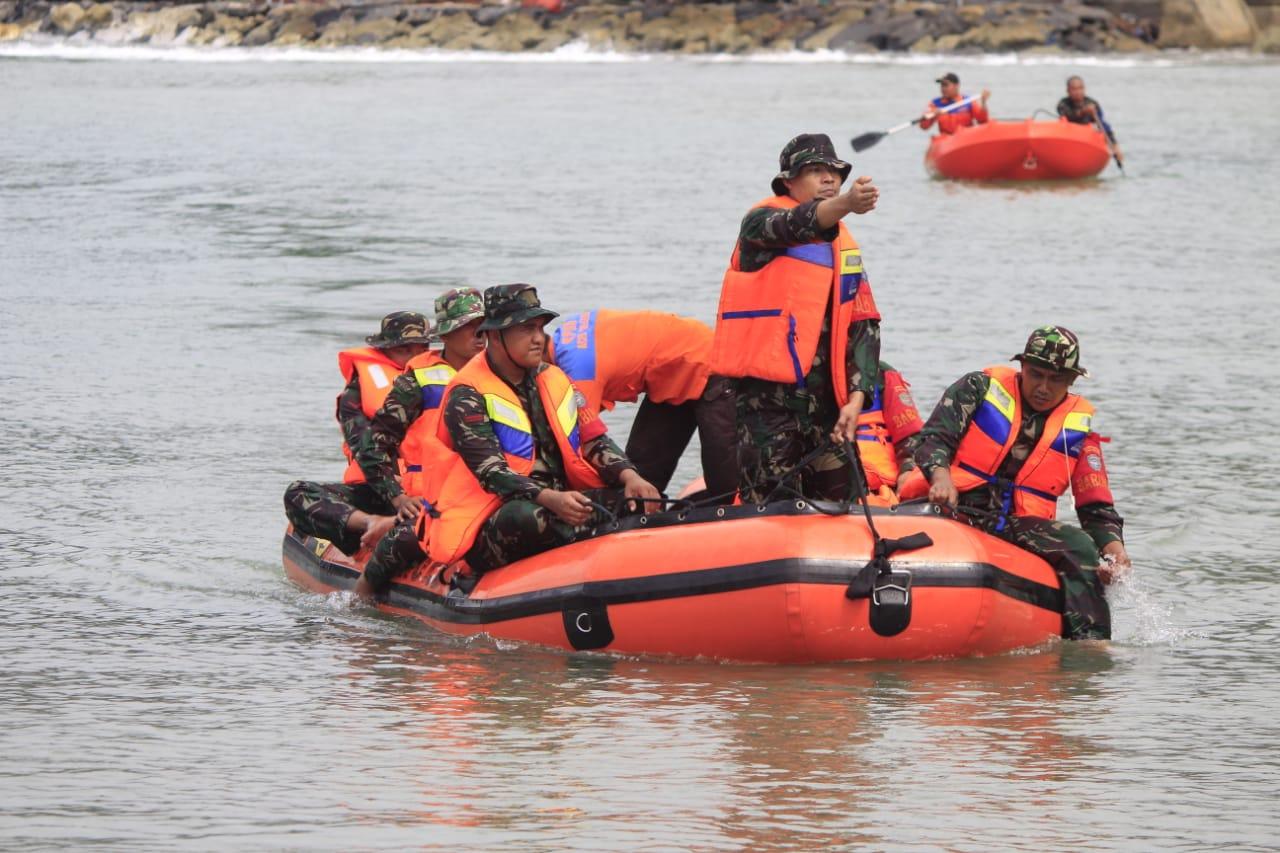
(363, 589)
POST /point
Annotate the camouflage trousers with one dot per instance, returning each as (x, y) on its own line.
(1071, 554)
(778, 425)
(518, 529)
(322, 510)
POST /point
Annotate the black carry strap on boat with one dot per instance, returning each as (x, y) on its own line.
(889, 590)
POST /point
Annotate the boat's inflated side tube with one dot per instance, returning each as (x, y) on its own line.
(586, 624)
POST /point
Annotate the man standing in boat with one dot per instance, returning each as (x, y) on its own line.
(1079, 108)
(1003, 445)
(404, 428)
(797, 326)
(342, 512)
(526, 461)
(616, 356)
(949, 121)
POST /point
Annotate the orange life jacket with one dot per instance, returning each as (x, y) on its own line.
(377, 372)
(890, 418)
(769, 320)
(1048, 469)
(457, 504)
(615, 356)
(419, 450)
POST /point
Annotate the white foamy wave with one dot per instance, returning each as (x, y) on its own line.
(580, 51)
(177, 52)
(1147, 623)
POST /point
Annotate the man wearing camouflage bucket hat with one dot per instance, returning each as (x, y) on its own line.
(526, 463)
(797, 325)
(403, 429)
(1003, 445)
(342, 512)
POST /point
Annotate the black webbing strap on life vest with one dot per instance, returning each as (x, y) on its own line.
(889, 590)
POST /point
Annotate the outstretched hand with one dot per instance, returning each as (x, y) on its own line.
(862, 195)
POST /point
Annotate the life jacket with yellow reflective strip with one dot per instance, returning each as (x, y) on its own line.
(769, 321)
(992, 432)
(433, 374)
(376, 372)
(457, 505)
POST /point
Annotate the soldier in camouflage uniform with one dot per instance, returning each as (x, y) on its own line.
(342, 512)
(539, 511)
(780, 422)
(459, 313)
(1050, 364)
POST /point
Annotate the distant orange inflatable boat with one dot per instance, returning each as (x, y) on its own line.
(1019, 151)
(760, 584)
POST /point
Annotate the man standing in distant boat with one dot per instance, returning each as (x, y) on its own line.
(949, 121)
(342, 512)
(1003, 445)
(525, 461)
(1078, 108)
(404, 427)
(797, 326)
(617, 356)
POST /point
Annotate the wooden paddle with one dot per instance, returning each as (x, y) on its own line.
(866, 140)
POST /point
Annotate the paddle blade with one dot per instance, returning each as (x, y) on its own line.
(866, 140)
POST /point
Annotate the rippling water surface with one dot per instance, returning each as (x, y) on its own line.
(184, 247)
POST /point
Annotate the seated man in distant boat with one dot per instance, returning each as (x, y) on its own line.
(615, 356)
(1079, 108)
(525, 459)
(797, 326)
(949, 121)
(1003, 445)
(342, 512)
(889, 433)
(410, 414)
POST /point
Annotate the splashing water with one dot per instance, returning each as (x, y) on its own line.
(1145, 622)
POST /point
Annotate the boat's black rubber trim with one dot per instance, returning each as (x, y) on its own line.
(463, 610)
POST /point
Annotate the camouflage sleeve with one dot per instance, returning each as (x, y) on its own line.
(905, 451)
(350, 415)
(1102, 522)
(607, 458)
(377, 457)
(474, 439)
(862, 357)
(778, 228)
(942, 432)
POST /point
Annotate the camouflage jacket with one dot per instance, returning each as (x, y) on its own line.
(473, 437)
(765, 233)
(946, 426)
(378, 454)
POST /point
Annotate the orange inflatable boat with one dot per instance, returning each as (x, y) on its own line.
(1019, 151)
(761, 584)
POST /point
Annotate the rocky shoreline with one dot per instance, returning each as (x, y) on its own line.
(656, 26)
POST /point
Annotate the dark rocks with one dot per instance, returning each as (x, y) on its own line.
(649, 25)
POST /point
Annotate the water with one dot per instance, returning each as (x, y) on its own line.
(185, 245)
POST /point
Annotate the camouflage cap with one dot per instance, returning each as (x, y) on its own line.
(507, 305)
(400, 329)
(456, 308)
(1055, 347)
(805, 149)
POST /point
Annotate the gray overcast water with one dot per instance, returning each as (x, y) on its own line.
(184, 246)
